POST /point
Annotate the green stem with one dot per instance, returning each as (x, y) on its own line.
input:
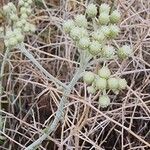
(60, 110)
(39, 66)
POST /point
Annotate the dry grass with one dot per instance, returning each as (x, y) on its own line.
(124, 125)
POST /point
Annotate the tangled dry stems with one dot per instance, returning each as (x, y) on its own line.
(123, 125)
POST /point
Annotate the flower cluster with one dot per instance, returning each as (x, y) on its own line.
(102, 82)
(17, 22)
(93, 33)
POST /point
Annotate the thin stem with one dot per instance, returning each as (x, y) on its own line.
(1, 82)
(60, 110)
(35, 62)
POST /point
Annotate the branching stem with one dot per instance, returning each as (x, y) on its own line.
(39, 66)
(60, 110)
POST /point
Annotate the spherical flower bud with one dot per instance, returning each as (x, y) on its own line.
(104, 101)
(13, 35)
(9, 33)
(108, 51)
(13, 17)
(83, 33)
(84, 42)
(18, 24)
(23, 21)
(30, 2)
(23, 10)
(13, 42)
(124, 52)
(100, 83)
(21, 2)
(68, 25)
(122, 84)
(99, 36)
(26, 27)
(26, 4)
(103, 18)
(95, 48)
(115, 17)
(105, 30)
(88, 77)
(104, 8)
(104, 72)
(20, 38)
(24, 16)
(91, 89)
(81, 21)
(11, 6)
(113, 83)
(91, 10)
(75, 33)
(114, 31)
